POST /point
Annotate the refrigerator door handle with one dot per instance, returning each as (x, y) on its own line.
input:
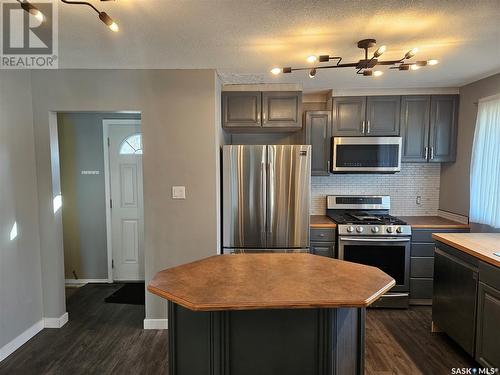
(263, 199)
(270, 192)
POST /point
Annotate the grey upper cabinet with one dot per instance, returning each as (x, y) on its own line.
(241, 109)
(282, 109)
(382, 115)
(366, 116)
(443, 128)
(255, 110)
(415, 114)
(318, 135)
(349, 116)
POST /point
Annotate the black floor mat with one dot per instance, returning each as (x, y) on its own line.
(131, 294)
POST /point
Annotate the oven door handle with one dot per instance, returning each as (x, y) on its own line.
(374, 239)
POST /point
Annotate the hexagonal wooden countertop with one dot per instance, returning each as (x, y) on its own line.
(270, 281)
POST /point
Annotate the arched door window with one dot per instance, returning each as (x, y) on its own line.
(132, 145)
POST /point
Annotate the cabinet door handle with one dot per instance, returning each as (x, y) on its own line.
(426, 152)
(432, 153)
(363, 126)
(368, 127)
(328, 166)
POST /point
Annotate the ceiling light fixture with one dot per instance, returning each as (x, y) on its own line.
(414, 67)
(31, 9)
(103, 16)
(364, 66)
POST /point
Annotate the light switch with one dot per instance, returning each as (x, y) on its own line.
(178, 192)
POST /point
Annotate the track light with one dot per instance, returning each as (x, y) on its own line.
(31, 9)
(377, 73)
(312, 73)
(324, 58)
(404, 67)
(432, 62)
(103, 16)
(287, 69)
(367, 73)
(414, 67)
(380, 50)
(276, 71)
(311, 59)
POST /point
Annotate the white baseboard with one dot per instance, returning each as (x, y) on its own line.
(86, 281)
(56, 322)
(20, 340)
(155, 323)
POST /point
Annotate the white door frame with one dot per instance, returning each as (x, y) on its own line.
(107, 186)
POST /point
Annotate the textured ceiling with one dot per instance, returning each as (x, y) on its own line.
(244, 39)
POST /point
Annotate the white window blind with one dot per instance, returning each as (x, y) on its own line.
(485, 164)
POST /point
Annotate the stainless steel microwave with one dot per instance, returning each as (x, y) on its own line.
(366, 154)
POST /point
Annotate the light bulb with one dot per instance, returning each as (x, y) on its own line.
(414, 67)
(276, 71)
(39, 15)
(411, 53)
(311, 59)
(380, 50)
(432, 62)
(378, 73)
(114, 27)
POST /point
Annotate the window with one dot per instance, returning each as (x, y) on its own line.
(132, 145)
(485, 164)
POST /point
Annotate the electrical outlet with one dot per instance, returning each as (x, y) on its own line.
(418, 201)
(178, 192)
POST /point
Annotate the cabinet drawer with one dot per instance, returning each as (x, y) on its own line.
(425, 235)
(420, 288)
(422, 267)
(422, 249)
(323, 235)
(323, 249)
(489, 274)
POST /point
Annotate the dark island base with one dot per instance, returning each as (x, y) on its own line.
(266, 342)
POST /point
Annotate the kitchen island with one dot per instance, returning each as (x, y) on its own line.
(268, 314)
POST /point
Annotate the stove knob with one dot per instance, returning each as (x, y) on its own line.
(360, 229)
(399, 230)
(350, 229)
(390, 229)
(375, 229)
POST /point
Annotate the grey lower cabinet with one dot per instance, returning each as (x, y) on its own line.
(488, 316)
(366, 116)
(429, 128)
(323, 242)
(455, 294)
(255, 110)
(318, 131)
(422, 264)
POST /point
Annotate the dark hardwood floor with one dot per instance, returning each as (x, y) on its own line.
(105, 338)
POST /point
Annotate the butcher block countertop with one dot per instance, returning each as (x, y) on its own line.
(479, 245)
(431, 222)
(270, 281)
(322, 221)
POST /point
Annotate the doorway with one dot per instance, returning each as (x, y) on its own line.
(124, 192)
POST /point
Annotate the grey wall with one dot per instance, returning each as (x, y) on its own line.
(20, 278)
(84, 208)
(180, 136)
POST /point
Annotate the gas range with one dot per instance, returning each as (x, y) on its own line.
(365, 216)
(367, 234)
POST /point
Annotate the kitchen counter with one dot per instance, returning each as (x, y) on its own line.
(277, 313)
(270, 281)
(322, 221)
(479, 245)
(432, 222)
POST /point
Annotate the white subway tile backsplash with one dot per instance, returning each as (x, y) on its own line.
(403, 187)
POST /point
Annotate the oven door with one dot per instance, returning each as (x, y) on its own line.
(366, 154)
(391, 255)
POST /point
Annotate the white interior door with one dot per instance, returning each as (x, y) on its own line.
(125, 172)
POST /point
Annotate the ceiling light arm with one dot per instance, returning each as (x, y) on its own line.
(81, 3)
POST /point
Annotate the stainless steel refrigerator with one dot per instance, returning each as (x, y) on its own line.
(266, 196)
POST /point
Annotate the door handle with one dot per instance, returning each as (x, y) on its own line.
(368, 127)
(328, 166)
(374, 239)
(363, 126)
(432, 153)
(426, 150)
